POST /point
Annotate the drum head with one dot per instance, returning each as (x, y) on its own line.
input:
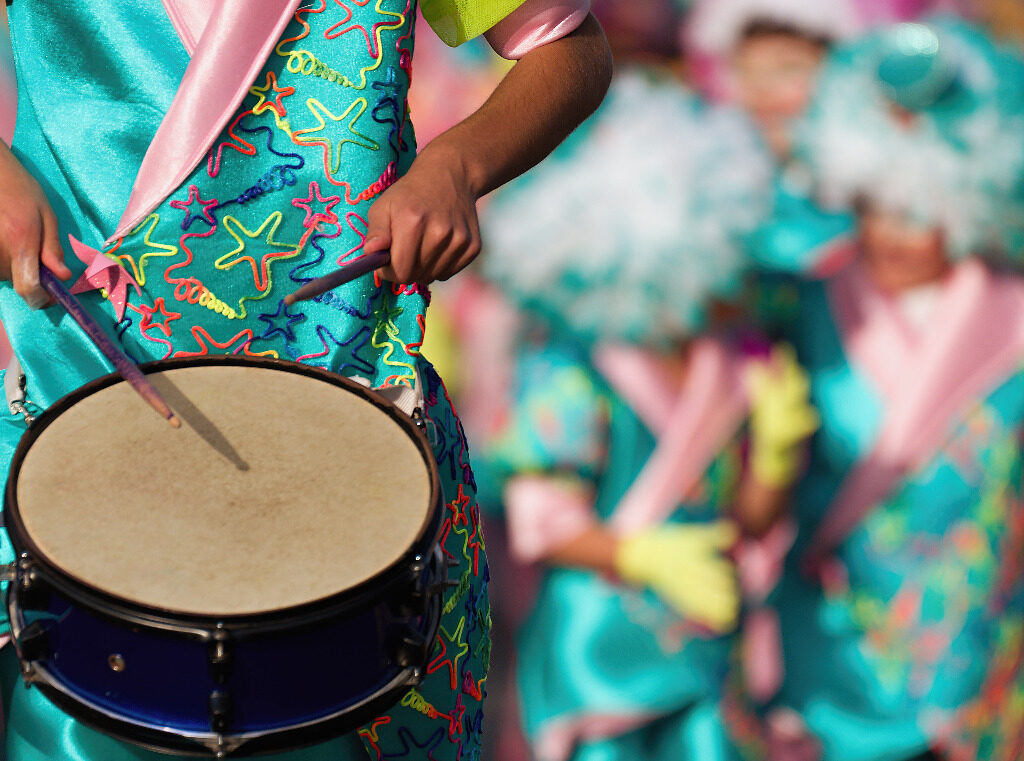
(280, 489)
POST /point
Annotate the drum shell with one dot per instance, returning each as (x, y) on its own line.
(293, 677)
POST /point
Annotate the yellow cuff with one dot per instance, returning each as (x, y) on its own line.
(456, 21)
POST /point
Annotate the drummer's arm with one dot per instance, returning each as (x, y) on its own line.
(428, 218)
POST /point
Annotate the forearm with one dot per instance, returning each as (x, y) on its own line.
(593, 550)
(545, 96)
(758, 506)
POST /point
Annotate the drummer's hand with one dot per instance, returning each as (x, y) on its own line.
(28, 232)
(427, 219)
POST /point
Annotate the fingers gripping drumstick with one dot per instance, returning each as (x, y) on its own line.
(121, 361)
(346, 273)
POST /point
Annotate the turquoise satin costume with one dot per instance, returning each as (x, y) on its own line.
(281, 198)
(922, 644)
(592, 646)
(799, 235)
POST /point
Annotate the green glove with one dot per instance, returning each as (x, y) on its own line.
(685, 567)
(781, 418)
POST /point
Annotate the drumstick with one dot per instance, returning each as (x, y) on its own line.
(346, 273)
(125, 367)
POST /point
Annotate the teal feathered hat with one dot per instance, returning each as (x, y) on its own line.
(926, 120)
(631, 227)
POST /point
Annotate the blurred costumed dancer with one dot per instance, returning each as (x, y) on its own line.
(765, 55)
(903, 608)
(623, 450)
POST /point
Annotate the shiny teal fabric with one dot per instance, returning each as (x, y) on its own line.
(921, 646)
(333, 131)
(798, 234)
(82, 131)
(592, 647)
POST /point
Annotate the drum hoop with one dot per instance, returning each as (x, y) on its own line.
(372, 591)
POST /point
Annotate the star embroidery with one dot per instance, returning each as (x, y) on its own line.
(345, 123)
(323, 206)
(280, 322)
(275, 103)
(277, 249)
(148, 312)
(103, 273)
(452, 663)
(409, 745)
(205, 211)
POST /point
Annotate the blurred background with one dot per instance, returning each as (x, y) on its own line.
(749, 153)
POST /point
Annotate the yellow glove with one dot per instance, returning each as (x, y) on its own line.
(685, 567)
(781, 417)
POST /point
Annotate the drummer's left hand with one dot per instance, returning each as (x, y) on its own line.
(427, 219)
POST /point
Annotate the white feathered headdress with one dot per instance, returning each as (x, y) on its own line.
(716, 25)
(954, 159)
(629, 228)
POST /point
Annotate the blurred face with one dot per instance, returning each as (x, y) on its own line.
(900, 254)
(775, 76)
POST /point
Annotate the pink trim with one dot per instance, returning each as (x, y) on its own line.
(760, 563)
(709, 409)
(536, 23)
(763, 664)
(637, 376)
(189, 18)
(979, 343)
(238, 39)
(8, 81)
(558, 740)
(545, 514)
(875, 334)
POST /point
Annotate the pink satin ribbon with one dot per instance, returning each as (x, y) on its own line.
(236, 42)
(926, 382)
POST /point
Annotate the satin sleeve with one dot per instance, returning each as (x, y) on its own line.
(513, 27)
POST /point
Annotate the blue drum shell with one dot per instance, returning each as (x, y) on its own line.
(275, 680)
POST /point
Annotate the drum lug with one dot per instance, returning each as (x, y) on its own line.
(34, 643)
(221, 655)
(413, 649)
(220, 707)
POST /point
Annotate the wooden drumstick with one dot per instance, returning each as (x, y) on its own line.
(124, 365)
(346, 273)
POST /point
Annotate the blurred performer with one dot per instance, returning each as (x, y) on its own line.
(903, 608)
(766, 55)
(622, 454)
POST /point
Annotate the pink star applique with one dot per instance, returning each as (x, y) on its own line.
(102, 272)
(205, 206)
(322, 205)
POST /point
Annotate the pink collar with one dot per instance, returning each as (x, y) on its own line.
(692, 423)
(236, 39)
(189, 18)
(926, 385)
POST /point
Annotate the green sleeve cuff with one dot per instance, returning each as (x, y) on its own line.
(456, 21)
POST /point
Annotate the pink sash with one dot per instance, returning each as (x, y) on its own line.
(927, 384)
(692, 428)
(236, 40)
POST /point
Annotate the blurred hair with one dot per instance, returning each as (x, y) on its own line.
(767, 27)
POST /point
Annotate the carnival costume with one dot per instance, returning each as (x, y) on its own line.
(903, 604)
(257, 134)
(633, 228)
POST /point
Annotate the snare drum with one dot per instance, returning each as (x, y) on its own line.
(266, 577)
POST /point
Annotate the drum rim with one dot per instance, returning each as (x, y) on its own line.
(369, 592)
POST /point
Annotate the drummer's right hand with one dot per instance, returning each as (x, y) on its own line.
(28, 232)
